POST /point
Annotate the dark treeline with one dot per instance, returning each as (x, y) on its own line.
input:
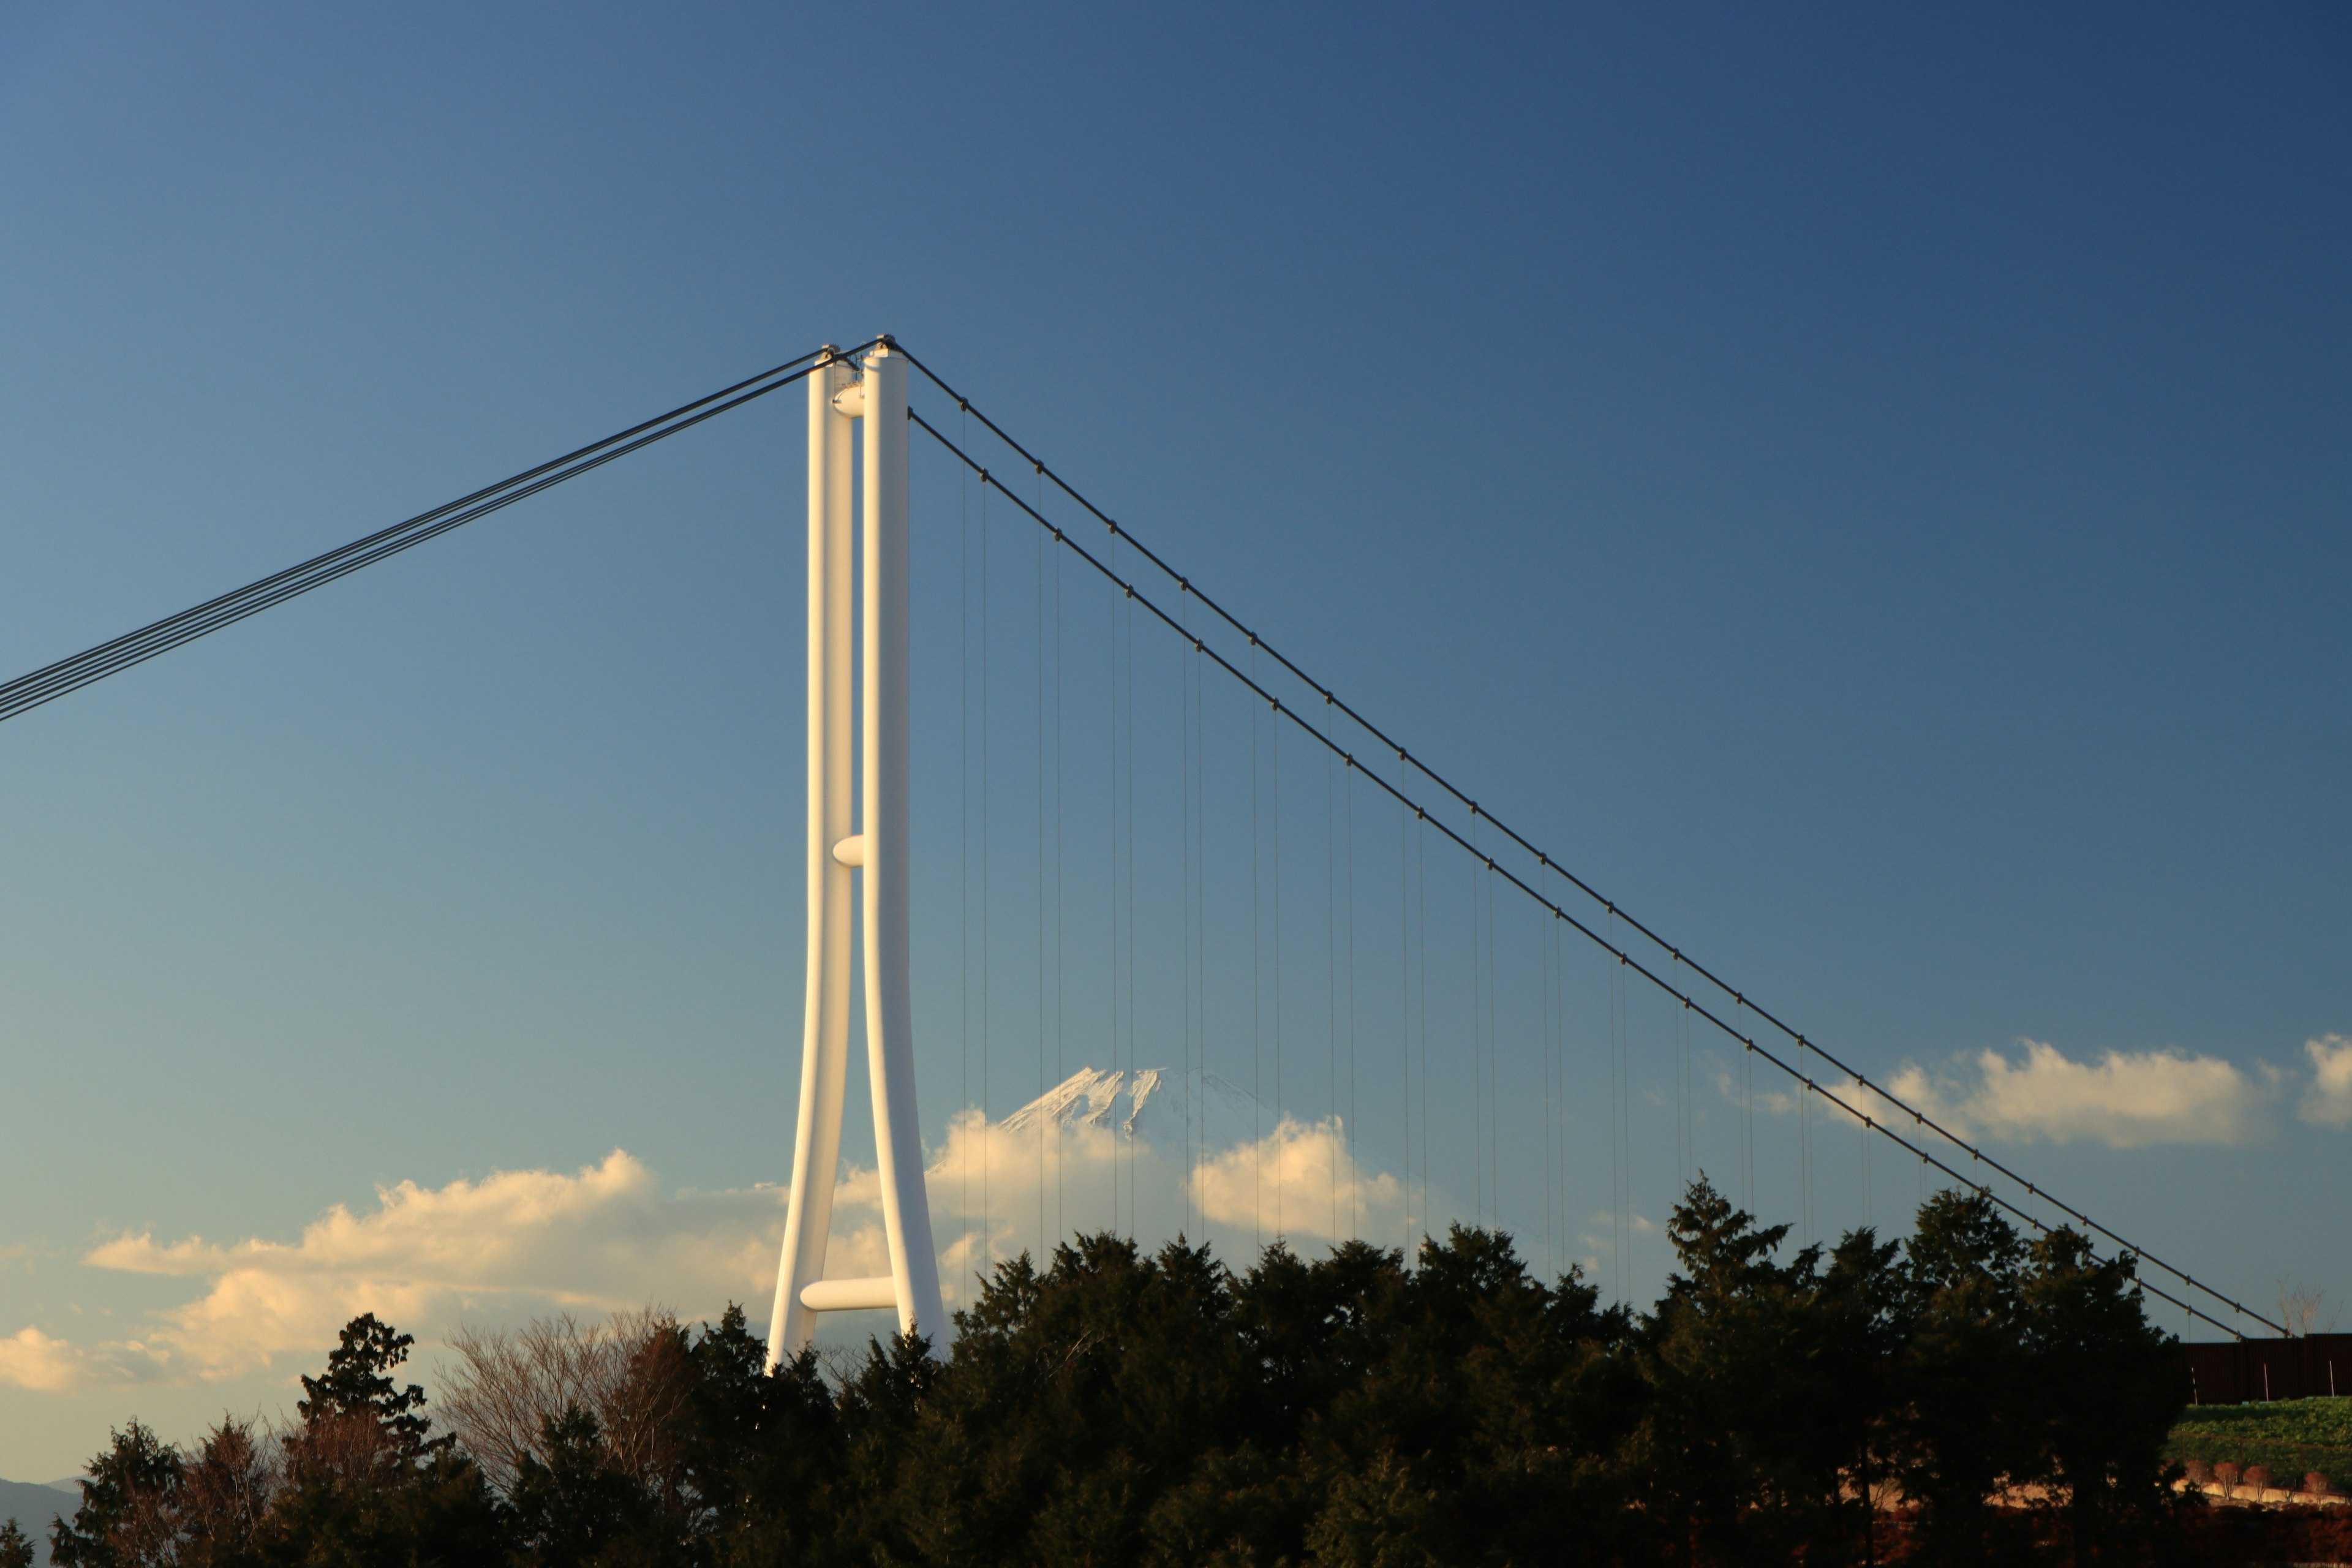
(1965, 1396)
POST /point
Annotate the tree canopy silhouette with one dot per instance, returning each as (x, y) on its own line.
(1960, 1396)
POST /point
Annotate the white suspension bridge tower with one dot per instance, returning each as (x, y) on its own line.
(873, 846)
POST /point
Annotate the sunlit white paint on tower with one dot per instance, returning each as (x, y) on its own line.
(839, 850)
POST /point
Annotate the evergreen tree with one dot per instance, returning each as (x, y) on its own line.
(575, 1510)
(1966, 1426)
(437, 1512)
(126, 1517)
(356, 1386)
(1348, 1411)
(764, 1452)
(367, 1489)
(2106, 1386)
(15, 1546)
(1486, 1419)
(1760, 1388)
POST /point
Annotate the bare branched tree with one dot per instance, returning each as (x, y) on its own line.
(340, 1449)
(146, 1532)
(628, 1371)
(2299, 1308)
(226, 1485)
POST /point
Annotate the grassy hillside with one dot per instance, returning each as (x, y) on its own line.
(2289, 1435)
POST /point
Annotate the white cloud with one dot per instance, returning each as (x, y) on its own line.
(30, 1359)
(602, 1239)
(990, 1180)
(2125, 1099)
(1302, 1181)
(2328, 1102)
(610, 1237)
(1639, 1225)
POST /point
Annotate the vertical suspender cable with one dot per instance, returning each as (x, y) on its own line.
(1551, 1250)
(1559, 1073)
(1681, 1104)
(1331, 984)
(1494, 1054)
(1039, 534)
(1690, 1120)
(1805, 1165)
(1273, 758)
(1477, 1068)
(1060, 1017)
(987, 1124)
(1118, 1058)
(1625, 1113)
(1420, 945)
(1184, 850)
(1184, 818)
(1922, 1179)
(964, 823)
(1482, 1033)
(1257, 1086)
(1201, 912)
(1134, 1012)
(1355, 1183)
(1616, 1133)
(1861, 1139)
(1746, 1115)
(1405, 1018)
(1483, 888)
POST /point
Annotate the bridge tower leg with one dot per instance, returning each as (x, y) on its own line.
(839, 850)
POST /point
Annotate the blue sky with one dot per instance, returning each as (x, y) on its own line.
(1867, 488)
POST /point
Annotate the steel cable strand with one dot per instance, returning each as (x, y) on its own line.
(1624, 958)
(38, 687)
(66, 667)
(188, 631)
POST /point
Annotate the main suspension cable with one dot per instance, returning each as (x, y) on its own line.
(1406, 758)
(1623, 956)
(52, 682)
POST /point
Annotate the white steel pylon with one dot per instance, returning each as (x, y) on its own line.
(839, 850)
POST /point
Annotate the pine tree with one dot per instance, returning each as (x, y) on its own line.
(15, 1546)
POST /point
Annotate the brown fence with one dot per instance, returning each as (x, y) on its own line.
(2247, 1372)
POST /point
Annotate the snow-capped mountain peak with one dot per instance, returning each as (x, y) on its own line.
(1157, 1105)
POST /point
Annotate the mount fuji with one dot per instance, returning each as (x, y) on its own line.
(1169, 1109)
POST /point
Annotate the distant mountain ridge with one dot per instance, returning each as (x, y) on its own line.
(32, 1505)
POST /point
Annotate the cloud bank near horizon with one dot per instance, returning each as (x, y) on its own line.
(2124, 1100)
(602, 1239)
(609, 1236)
(2121, 1100)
